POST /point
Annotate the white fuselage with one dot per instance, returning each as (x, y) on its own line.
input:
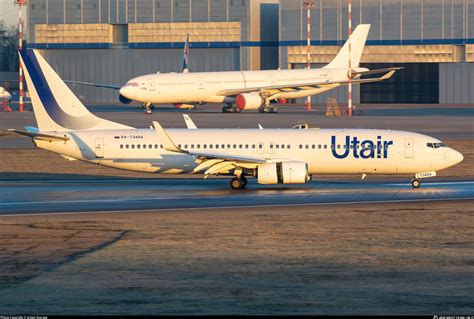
(324, 150)
(210, 86)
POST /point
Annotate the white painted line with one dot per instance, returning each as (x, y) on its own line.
(239, 207)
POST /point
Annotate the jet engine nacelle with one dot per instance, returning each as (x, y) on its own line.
(283, 173)
(248, 101)
(124, 100)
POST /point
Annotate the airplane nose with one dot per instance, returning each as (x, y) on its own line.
(126, 91)
(455, 157)
(458, 157)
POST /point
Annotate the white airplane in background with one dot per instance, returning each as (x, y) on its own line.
(4, 94)
(250, 90)
(273, 156)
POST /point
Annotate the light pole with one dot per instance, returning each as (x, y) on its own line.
(20, 4)
(308, 5)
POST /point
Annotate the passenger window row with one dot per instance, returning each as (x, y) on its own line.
(339, 146)
(141, 146)
(252, 146)
(205, 146)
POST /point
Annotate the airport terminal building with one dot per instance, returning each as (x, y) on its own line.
(111, 41)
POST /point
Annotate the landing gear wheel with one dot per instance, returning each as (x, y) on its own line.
(261, 109)
(237, 183)
(227, 108)
(415, 183)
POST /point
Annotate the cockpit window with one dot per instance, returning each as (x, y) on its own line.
(435, 145)
(132, 84)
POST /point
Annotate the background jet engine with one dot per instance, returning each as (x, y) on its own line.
(248, 101)
(124, 100)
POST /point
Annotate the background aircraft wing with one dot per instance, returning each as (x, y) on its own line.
(106, 86)
(309, 86)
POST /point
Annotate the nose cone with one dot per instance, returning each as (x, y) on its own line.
(127, 91)
(454, 157)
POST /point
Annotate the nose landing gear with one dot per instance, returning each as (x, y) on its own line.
(415, 183)
(148, 107)
(230, 108)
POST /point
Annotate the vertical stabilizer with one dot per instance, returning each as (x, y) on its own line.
(358, 38)
(186, 55)
(55, 105)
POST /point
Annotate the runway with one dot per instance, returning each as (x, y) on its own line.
(73, 196)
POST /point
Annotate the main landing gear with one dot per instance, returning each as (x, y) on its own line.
(230, 108)
(238, 183)
(267, 109)
(415, 183)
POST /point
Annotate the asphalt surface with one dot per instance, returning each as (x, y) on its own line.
(59, 196)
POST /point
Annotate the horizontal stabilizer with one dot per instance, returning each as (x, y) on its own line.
(376, 71)
(41, 136)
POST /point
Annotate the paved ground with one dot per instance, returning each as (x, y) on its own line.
(403, 258)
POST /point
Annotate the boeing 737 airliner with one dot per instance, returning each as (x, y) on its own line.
(273, 156)
(250, 90)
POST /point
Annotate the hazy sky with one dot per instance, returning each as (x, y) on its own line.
(9, 12)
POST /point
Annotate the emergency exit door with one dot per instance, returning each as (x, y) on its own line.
(409, 147)
(99, 147)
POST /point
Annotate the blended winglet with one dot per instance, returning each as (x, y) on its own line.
(165, 139)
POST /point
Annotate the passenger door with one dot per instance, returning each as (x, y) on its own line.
(99, 147)
(409, 148)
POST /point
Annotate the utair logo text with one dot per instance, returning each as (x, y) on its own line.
(361, 148)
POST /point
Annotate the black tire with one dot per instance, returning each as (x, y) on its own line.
(261, 110)
(236, 183)
(415, 183)
(225, 109)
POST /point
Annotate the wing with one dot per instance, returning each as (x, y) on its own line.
(213, 163)
(105, 86)
(314, 85)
